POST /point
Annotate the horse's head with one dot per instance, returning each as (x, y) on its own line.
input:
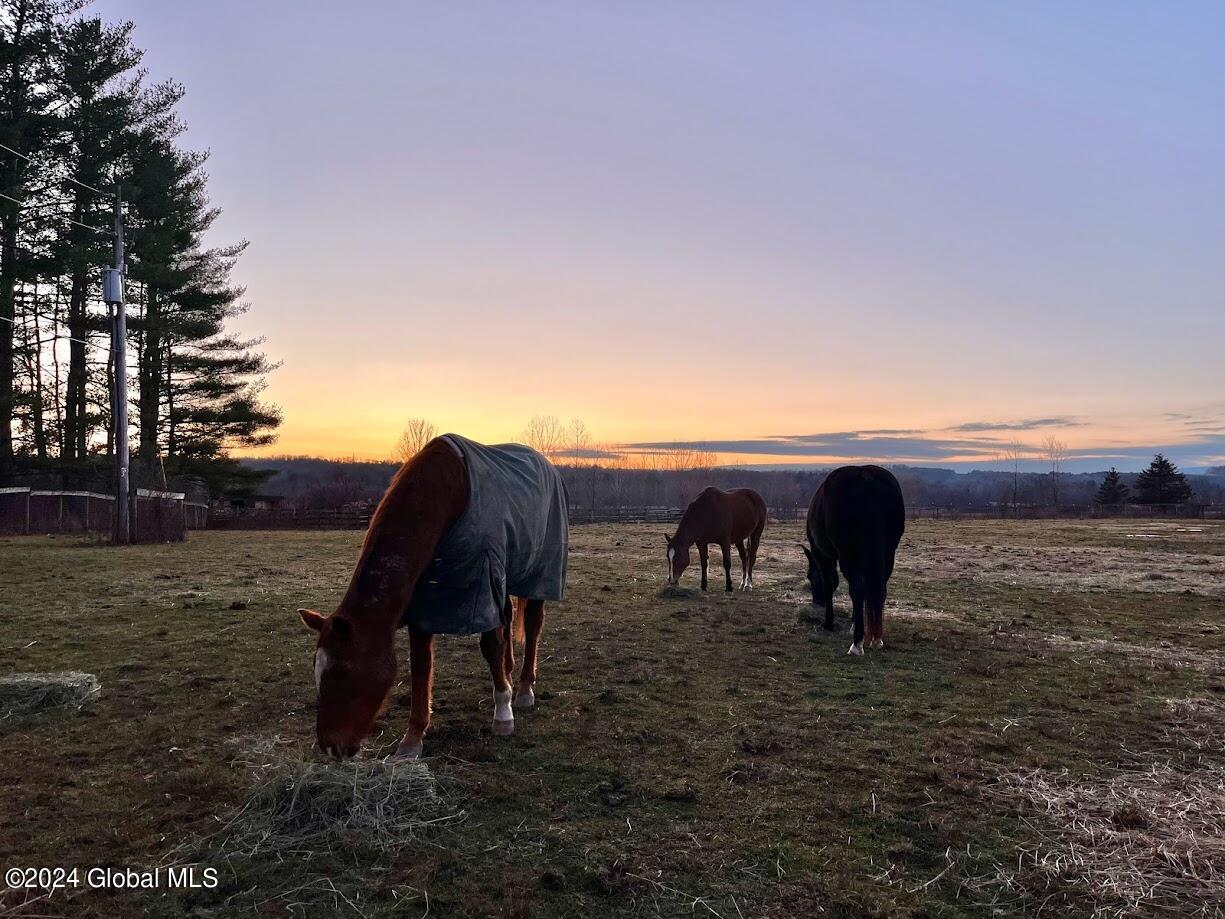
(815, 582)
(354, 672)
(678, 559)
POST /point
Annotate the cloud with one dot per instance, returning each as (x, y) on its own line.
(844, 444)
(1029, 424)
(588, 453)
(963, 452)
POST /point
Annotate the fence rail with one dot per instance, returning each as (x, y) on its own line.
(156, 516)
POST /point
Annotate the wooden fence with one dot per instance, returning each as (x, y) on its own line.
(155, 516)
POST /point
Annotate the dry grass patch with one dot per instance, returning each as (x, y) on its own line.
(30, 693)
(1138, 840)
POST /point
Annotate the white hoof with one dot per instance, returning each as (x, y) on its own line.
(504, 728)
(877, 643)
(856, 649)
(525, 699)
(409, 750)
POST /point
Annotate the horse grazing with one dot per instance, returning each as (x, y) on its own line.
(855, 521)
(461, 528)
(721, 517)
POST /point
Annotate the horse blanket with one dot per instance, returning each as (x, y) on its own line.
(512, 540)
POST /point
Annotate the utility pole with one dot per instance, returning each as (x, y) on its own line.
(112, 291)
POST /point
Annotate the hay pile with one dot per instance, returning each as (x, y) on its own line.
(29, 693)
(312, 806)
(672, 592)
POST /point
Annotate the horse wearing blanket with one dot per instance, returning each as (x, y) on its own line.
(461, 529)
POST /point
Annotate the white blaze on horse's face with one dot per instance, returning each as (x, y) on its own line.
(321, 664)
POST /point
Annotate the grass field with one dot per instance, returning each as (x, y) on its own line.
(1047, 712)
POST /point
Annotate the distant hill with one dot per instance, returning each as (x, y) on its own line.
(314, 482)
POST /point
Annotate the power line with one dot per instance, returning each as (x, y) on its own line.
(61, 216)
(15, 323)
(96, 191)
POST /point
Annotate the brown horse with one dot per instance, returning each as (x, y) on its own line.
(402, 579)
(721, 517)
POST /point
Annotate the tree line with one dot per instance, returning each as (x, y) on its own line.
(601, 476)
(79, 121)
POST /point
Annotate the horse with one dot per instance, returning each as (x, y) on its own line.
(722, 517)
(856, 520)
(460, 529)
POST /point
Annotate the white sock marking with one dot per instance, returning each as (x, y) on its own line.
(856, 649)
(501, 706)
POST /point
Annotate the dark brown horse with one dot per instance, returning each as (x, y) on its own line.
(856, 520)
(723, 518)
(355, 660)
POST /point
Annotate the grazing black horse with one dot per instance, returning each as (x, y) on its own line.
(855, 522)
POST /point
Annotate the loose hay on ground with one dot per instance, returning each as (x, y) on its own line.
(312, 806)
(29, 693)
(1136, 840)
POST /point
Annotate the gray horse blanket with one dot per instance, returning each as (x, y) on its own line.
(512, 540)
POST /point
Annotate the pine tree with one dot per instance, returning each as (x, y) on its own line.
(1113, 491)
(27, 43)
(1162, 483)
(199, 387)
(75, 108)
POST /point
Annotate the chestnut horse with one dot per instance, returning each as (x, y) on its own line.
(856, 520)
(721, 517)
(355, 659)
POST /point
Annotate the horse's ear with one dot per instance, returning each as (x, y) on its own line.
(314, 621)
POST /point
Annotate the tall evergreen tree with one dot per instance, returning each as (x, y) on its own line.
(1113, 490)
(1162, 483)
(100, 89)
(75, 108)
(199, 387)
(27, 49)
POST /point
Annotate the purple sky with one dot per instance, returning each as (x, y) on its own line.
(728, 223)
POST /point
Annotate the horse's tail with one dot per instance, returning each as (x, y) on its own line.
(517, 633)
(875, 587)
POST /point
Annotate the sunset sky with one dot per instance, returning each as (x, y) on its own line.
(791, 232)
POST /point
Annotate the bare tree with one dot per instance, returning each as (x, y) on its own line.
(578, 447)
(1011, 455)
(1056, 452)
(546, 434)
(417, 433)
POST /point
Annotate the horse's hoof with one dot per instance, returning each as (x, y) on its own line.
(525, 699)
(829, 625)
(877, 643)
(856, 649)
(409, 750)
(504, 728)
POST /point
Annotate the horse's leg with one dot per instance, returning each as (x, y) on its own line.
(754, 545)
(492, 647)
(421, 674)
(829, 582)
(533, 622)
(744, 565)
(704, 558)
(727, 566)
(854, 582)
(508, 648)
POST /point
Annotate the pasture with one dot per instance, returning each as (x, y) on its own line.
(1043, 731)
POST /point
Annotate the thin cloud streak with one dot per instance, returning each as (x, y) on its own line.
(1030, 424)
